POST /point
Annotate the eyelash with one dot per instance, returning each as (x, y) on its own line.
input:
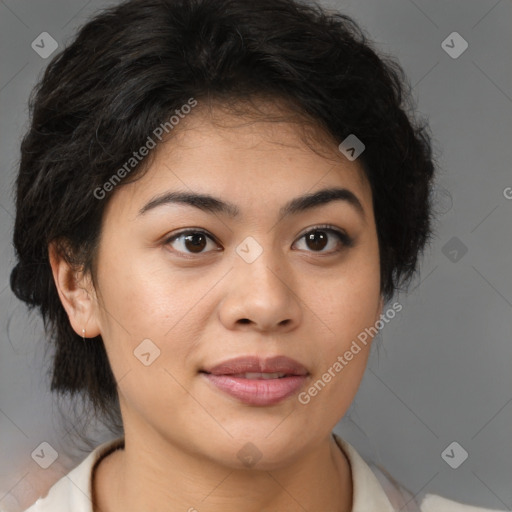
(343, 238)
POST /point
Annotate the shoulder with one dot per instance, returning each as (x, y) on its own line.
(73, 491)
(404, 501)
(375, 489)
(435, 503)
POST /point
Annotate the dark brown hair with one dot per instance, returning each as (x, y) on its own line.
(131, 66)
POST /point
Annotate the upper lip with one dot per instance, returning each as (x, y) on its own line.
(254, 364)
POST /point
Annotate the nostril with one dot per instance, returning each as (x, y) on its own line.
(244, 321)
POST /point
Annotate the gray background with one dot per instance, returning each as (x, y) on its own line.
(441, 371)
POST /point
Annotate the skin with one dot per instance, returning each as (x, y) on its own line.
(182, 435)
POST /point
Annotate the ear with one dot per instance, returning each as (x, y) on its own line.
(76, 292)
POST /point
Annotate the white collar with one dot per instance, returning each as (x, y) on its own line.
(73, 491)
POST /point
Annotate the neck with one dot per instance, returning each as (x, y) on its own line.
(164, 478)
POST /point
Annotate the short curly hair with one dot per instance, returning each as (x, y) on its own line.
(132, 65)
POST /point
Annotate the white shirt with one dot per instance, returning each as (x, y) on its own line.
(373, 490)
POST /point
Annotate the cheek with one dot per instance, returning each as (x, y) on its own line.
(347, 310)
(347, 301)
(150, 331)
(133, 293)
(347, 307)
(149, 301)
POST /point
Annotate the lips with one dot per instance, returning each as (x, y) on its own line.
(252, 364)
(256, 381)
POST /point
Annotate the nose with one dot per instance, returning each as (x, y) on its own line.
(261, 296)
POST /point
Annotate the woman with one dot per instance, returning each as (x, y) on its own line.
(215, 200)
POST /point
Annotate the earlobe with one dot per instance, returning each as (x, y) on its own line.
(76, 293)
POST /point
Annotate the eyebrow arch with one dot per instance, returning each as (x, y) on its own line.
(299, 204)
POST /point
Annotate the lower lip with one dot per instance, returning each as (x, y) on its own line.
(257, 391)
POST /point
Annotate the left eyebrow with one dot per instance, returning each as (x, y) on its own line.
(299, 204)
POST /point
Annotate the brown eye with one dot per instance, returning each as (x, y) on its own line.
(316, 240)
(319, 238)
(195, 242)
(190, 242)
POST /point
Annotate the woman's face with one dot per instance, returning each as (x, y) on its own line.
(255, 278)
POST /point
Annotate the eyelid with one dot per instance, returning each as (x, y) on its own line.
(185, 231)
(343, 236)
(319, 227)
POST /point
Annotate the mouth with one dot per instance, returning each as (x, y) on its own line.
(254, 366)
(256, 381)
(259, 375)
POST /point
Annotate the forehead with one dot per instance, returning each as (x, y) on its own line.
(256, 156)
